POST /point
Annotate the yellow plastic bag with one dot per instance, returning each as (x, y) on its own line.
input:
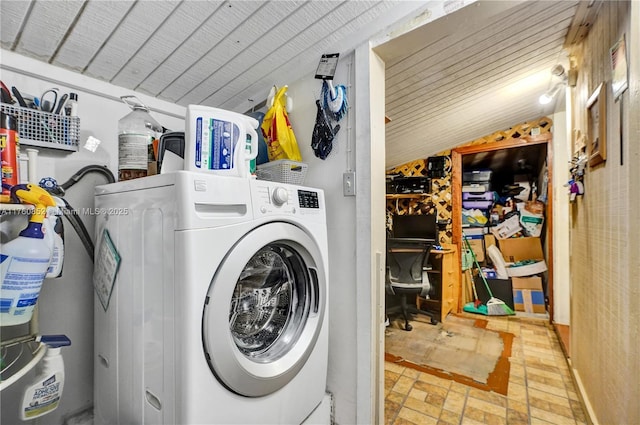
(277, 131)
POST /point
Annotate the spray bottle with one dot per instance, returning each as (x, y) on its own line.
(43, 396)
(53, 229)
(24, 260)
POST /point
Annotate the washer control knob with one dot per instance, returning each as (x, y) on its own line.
(280, 196)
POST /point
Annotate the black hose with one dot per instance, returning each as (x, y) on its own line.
(89, 168)
(72, 216)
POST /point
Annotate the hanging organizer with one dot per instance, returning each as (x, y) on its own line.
(45, 129)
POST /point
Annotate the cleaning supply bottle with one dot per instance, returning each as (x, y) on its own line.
(137, 132)
(53, 229)
(43, 396)
(24, 260)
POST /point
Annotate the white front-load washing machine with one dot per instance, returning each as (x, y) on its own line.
(211, 301)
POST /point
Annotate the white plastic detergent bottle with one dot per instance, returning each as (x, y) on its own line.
(53, 229)
(219, 141)
(43, 396)
(24, 260)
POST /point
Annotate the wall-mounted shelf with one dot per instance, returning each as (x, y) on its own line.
(408, 195)
(44, 129)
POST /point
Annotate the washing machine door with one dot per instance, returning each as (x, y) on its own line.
(264, 309)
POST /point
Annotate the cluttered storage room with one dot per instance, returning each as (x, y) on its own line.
(318, 212)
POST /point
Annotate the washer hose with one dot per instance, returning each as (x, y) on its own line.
(71, 213)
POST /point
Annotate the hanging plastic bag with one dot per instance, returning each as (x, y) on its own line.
(277, 131)
(323, 134)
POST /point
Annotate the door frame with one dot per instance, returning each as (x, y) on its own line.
(456, 188)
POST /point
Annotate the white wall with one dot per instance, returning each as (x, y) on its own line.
(561, 269)
(66, 304)
(341, 223)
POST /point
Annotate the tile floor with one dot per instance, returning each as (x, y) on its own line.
(540, 387)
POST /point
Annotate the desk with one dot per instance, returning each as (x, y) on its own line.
(445, 273)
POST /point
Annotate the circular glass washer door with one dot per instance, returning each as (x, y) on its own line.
(264, 309)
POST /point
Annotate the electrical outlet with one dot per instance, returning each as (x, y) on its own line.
(349, 183)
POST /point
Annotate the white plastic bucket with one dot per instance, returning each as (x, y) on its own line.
(220, 142)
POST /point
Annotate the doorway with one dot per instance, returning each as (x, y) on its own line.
(525, 155)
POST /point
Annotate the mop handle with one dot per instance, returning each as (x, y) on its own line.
(473, 255)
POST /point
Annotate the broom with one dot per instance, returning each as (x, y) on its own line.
(495, 307)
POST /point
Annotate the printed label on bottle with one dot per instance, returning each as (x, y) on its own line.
(199, 142)
(45, 398)
(22, 283)
(133, 151)
(215, 144)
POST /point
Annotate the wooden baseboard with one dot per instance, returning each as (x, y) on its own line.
(584, 400)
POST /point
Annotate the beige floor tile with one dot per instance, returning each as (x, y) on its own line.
(517, 392)
(411, 373)
(403, 385)
(518, 406)
(578, 412)
(391, 410)
(537, 388)
(516, 417)
(435, 380)
(519, 380)
(397, 397)
(473, 414)
(489, 397)
(423, 407)
(448, 417)
(487, 407)
(552, 398)
(430, 388)
(516, 370)
(418, 394)
(435, 400)
(394, 367)
(550, 417)
(459, 388)
(403, 421)
(455, 402)
(416, 417)
(550, 407)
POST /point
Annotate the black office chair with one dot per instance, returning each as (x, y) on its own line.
(407, 275)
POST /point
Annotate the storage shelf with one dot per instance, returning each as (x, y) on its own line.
(20, 358)
(44, 129)
(408, 195)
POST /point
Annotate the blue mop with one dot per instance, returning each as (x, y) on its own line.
(334, 100)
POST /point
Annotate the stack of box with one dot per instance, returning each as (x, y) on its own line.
(477, 198)
(528, 294)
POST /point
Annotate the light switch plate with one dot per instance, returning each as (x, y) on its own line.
(349, 183)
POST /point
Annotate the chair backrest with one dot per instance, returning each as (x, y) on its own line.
(405, 259)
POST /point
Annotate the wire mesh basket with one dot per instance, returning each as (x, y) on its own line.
(283, 171)
(45, 129)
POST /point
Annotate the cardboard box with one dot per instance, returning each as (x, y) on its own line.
(519, 249)
(477, 246)
(528, 295)
(488, 241)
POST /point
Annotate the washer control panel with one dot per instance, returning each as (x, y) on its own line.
(308, 199)
(270, 198)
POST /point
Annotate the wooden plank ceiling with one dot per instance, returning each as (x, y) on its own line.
(471, 73)
(477, 69)
(218, 53)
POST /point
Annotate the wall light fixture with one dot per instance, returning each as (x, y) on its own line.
(558, 73)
